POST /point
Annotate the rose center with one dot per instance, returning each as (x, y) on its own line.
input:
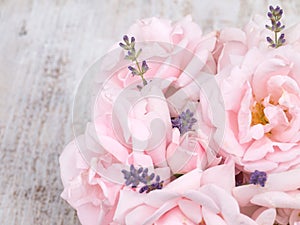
(258, 115)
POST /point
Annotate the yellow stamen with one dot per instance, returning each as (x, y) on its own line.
(258, 115)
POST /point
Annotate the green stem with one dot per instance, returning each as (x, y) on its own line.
(138, 66)
(276, 41)
(140, 72)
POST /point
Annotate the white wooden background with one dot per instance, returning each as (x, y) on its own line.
(45, 48)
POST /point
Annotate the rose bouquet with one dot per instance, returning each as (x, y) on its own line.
(190, 128)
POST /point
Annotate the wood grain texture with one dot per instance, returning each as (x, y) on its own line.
(46, 47)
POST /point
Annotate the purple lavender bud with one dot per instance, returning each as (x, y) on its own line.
(157, 179)
(270, 40)
(144, 66)
(280, 12)
(268, 27)
(140, 170)
(281, 39)
(126, 39)
(278, 24)
(176, 122)
(152, 175)
(277, 9)
(183, 116)
(132, 169)
(144, 175)
(271, 8)
(122, 45)
(128, 182)
(270, 15)
(273, 27)
(144, 188)
(193, 120)
(126, 174)
(132, 40)
(281, 36)
(143, 180)
(133, 70)
(184, 121)
(258, 178)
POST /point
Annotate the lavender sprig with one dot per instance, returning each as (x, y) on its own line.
(132, 55)
(184, 122)
(275, 15)
(258, 177)
(135, 176)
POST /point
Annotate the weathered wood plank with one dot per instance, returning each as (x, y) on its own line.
(46, 46)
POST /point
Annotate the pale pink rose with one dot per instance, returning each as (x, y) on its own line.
(185, 34)
(189, 151)
(85, 190)
(262, 103)
(233, 43)
(139, 122)
(140, 126)
(92, 177)
(194, 198)
(169, 48)
(281, 192)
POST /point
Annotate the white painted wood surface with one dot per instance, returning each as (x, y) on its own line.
(46, 46)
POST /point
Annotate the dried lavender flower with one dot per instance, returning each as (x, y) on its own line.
(132, 55)
(133, 177)
(275, 15)
(258, 178)
(184, 122)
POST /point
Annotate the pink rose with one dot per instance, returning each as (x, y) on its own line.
(175, 52)
(195, 198)
(281, 192)
(189, 152)
(145, 133)
(138, 123)
(85, 190)
(233, 43)
(130, 125)
(169, 48)
(92, 176)
(262, 103)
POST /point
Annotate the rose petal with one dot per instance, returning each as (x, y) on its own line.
(202, 199)
(128, 200)
(258, 149)
(190, 210)
(114, 147)
(267, 217)
(276, 199)
(211, 218)
(295, 217)
(222, 176)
